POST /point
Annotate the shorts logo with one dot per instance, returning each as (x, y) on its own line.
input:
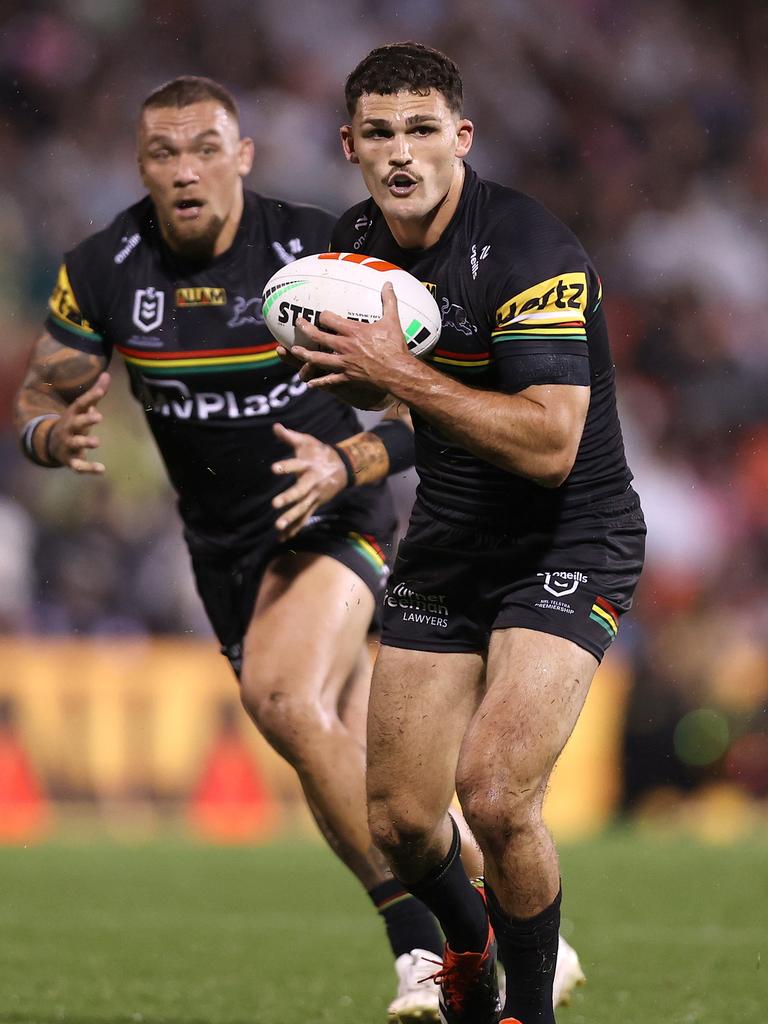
(148, 308)
(561, 584)
(428, 609)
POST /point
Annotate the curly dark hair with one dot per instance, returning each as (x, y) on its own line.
(405, 67)
(188, 89)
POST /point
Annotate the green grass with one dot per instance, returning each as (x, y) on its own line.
(668, 932)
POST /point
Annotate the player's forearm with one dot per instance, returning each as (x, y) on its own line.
(516, 433)
(372, 455)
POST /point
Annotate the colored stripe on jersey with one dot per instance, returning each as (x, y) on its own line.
(214, 361)
(466, 361)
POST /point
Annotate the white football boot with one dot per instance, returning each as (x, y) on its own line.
(416, 1001)
(568, 974)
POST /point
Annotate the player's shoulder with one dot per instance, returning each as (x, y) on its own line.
(114, 244)
(354, 226)
(280, 217)
(522, 231)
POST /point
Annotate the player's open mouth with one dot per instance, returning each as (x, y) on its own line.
(188, 209)
(401, 185)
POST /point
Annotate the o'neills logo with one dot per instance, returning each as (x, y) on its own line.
(429, 609)
(562, 583)
(204, 296)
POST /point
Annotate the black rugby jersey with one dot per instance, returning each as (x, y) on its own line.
(200, 358)
(521, 305)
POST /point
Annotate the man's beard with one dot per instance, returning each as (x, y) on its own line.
(197, 248)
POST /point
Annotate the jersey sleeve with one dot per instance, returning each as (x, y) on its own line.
(539, 333)
(73, 315)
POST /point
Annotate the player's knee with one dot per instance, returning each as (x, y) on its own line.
(498, 811)
(398, 823)
(289, 722)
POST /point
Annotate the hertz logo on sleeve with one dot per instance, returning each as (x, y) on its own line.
(558, 299)
(200, 297)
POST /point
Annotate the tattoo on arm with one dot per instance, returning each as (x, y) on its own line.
(56, 375)
(368, 456)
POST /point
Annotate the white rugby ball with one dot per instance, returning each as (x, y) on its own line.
(348, 284)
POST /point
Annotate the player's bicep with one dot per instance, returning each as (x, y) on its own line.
(57, 371)
(566, 407)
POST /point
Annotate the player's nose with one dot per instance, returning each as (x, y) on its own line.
(401, 151)
(186, 173)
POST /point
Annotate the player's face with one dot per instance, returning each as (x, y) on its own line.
(192, 160)
(410, 150)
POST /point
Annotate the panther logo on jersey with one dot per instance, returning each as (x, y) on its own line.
(148, 308)
(455, 316)
(246, 311)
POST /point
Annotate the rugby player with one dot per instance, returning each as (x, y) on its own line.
(526, 539)
(257, 459)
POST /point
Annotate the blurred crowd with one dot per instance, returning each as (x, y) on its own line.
(643, 125)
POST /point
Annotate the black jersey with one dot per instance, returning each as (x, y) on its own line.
(200, 358)
(521, 305)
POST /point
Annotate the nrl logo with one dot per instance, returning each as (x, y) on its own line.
(560, 584)
(148, 308)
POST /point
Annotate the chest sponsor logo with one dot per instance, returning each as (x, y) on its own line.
(560, 584)
(200, 297)
(246, 311)
(456, 317)
(148, 309)
(176, 400)
(129, 244)
(287, 253)
(427, 609)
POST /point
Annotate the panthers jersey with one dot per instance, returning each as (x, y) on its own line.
(521, 305)
(200, 358)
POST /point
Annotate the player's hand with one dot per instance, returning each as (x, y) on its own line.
(320, 475)
(70, 439)
(359, 352)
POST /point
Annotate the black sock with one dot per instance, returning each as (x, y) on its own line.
(455, 902)
(528, 951)
(410, 925)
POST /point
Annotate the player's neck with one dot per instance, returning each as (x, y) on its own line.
(426, 231)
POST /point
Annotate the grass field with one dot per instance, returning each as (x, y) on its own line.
(669, 932)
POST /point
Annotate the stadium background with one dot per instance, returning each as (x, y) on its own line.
(645, 127)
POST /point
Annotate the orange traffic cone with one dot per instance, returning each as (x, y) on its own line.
(231, 803)
(24, 810)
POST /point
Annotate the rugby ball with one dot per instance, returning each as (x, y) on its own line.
(348, 284)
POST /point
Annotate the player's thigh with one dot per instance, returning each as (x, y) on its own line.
(420, 705)
(536, 686)
(309, 625)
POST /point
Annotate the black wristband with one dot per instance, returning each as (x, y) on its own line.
(347, 464)
(397, 438)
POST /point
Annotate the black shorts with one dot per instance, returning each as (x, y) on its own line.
(358, 533)
(456, 579)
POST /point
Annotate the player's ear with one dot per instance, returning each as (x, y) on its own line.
(465, 133)
(245, 157)
(348, 143)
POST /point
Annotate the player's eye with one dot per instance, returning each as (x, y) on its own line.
(424, 130)
(208, 150)
(377, 133)
(160, 154)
